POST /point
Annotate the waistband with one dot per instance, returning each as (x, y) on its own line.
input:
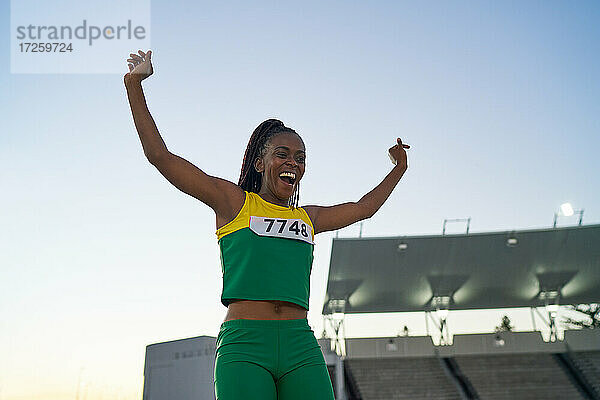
(266, 323)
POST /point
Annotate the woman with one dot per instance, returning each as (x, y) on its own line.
(265, 347)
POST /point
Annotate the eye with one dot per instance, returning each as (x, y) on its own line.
(282, 155)
(301, 159)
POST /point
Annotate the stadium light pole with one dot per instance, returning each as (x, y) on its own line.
(551, 305)
(439, 318)
(437, 311)
(337, 308)
(468, 220)
(566, 210)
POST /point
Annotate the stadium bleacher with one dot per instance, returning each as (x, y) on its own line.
(401, 378)
(588, 363)
(475, 366)
(517, 376)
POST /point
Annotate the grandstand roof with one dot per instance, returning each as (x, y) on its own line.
(471, 271)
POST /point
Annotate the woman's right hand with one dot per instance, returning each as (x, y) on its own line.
(398, 154)
(140, 66)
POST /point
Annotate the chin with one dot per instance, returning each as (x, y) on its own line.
(284, 193)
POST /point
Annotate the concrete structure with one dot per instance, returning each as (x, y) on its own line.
(180, 369)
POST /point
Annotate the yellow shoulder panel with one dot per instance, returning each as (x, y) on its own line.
(240, 221)
(306, 218)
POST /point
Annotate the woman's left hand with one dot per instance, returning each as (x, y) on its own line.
(398, 153)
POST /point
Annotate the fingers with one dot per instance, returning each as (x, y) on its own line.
(135, 59)
(141, 56)
(400, 144)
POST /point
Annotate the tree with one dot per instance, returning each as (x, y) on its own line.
(505, 325)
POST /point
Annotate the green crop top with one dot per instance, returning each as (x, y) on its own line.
(266, 253)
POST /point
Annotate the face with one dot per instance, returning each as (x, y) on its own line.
(285, 153)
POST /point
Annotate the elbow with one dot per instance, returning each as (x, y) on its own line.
(152, 159)
(367, 212)
(155, 158)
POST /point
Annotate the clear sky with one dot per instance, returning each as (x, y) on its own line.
(101, 256)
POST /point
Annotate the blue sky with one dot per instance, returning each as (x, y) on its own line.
(101, 256)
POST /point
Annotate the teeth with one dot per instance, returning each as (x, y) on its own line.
(288, 174)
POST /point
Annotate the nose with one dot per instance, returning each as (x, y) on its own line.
(292, 162)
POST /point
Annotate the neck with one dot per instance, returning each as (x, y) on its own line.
(271, 198)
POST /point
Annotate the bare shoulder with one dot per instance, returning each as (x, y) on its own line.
(312, 211)
(223, 196)
(329, 218)
(233, 198)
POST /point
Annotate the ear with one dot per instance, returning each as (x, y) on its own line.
(259, 165)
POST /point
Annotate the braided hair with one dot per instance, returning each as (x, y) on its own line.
(250, 179)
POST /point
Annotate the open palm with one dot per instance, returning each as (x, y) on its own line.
(140, 65)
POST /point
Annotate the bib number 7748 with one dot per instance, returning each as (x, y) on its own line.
(282, 227)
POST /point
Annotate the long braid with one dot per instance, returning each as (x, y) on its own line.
(250, 179)
(295, 196)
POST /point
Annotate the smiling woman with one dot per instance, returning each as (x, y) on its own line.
(279, 151)
(265, 347)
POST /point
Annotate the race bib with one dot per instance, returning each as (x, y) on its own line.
(282, 227)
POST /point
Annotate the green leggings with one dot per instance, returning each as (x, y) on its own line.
(270, 360)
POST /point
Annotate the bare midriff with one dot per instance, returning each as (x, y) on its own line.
(264, 309)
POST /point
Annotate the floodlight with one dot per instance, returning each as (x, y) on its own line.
(440, 301)
(498, 341)
(512, 240)
(566, 209)
(553, 308)
(391, 346)
(548, 294)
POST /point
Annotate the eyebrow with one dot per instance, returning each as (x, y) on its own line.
(287, 148)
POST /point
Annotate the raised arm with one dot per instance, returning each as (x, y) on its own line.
(224, 197)
(341, 215)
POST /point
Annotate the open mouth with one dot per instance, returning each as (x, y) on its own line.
(289, 178)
